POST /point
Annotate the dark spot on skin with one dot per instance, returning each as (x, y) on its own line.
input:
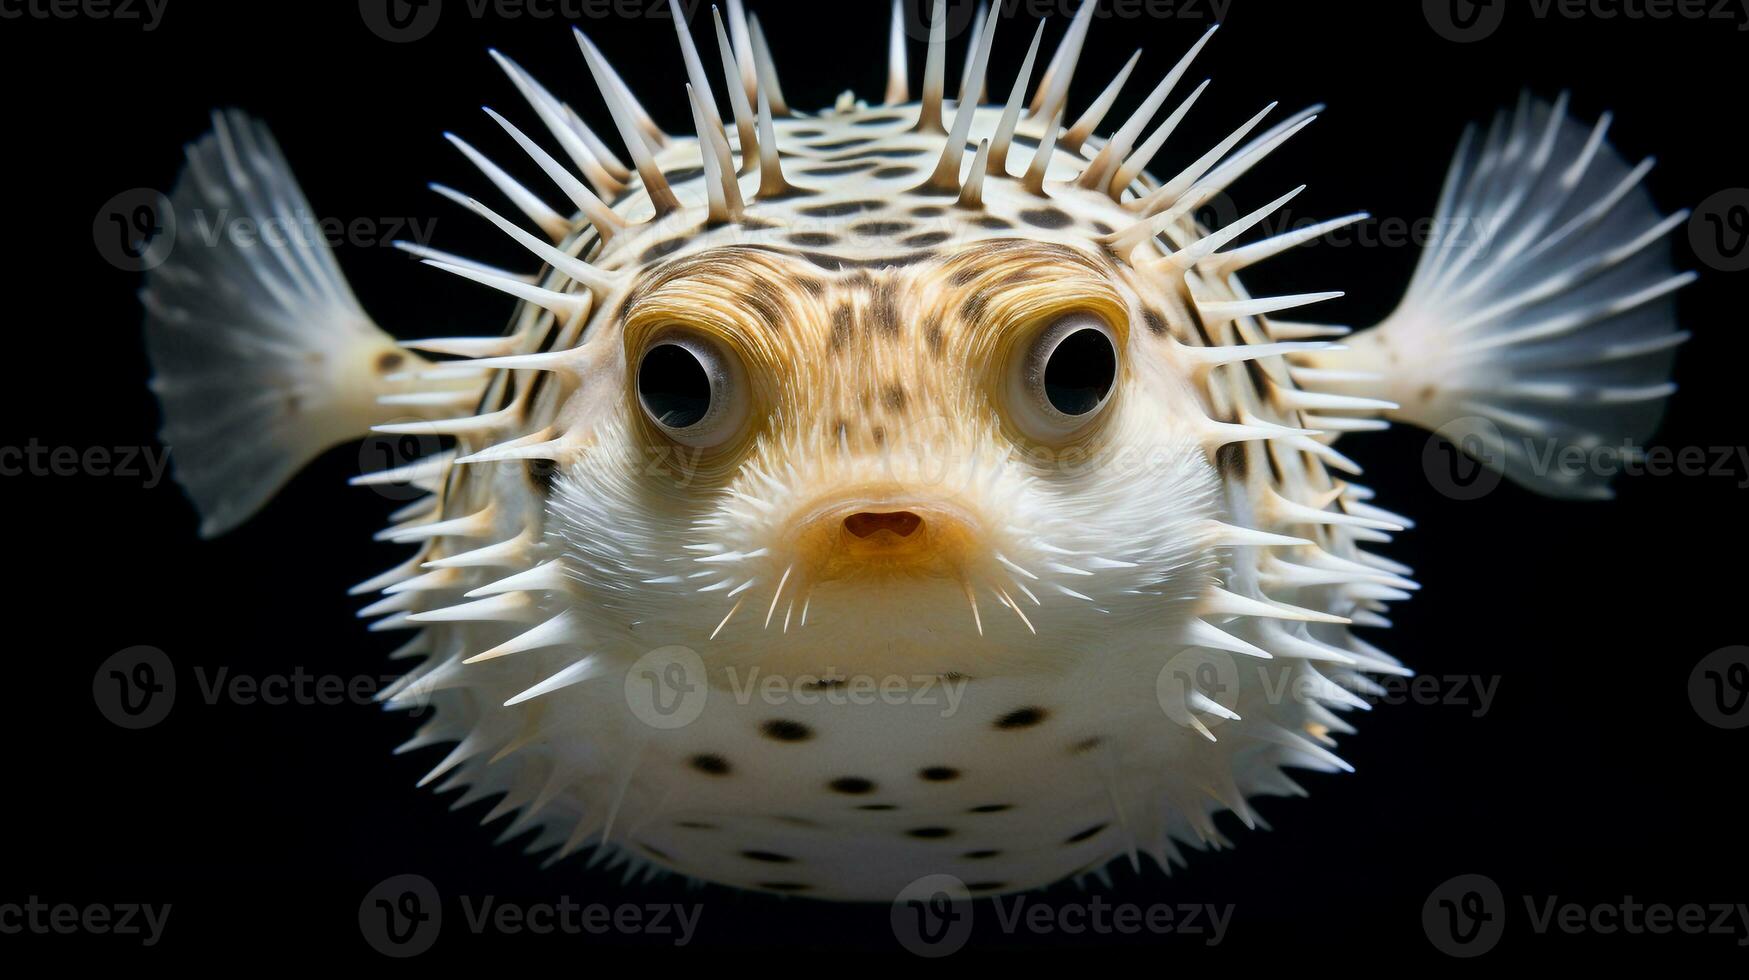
(854, 785)
(695, 825)
(1156, 323)
(933, 335)
(843, 325)
(878, 120)
(1428, 393)
(927, 239)
(877, 806)
(714, 765)
(1028, 141)
(783, 886)
(1087, 744)
(843, 144)
(684, 174)
(881, 229)
(993, 223)
(828, 683)
(888, 173)
(840, 209)
(805, 133)
(883, 154)
(1102, 228)
(754, 224)
(929, 833)
(1089, 832)
(389, 361)
(798, 821)
(979, 855)
(838, 263)
(1047, 217)
(813, 239)
(661, 249)
(986, 886)
(656, 852)
(786, 731)
(893, 397)
(883, 309)
(879, 435)
(541, 473)
(991, 808)
(767, 856)
(1021, 718)
(1232, 461)
(809, 285)
(929, 211)
(939, 774)
(842, 168)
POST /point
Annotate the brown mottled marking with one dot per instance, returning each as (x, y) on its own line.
(933, 335)
(1047, 217)
(893, 397)
(843, 326)
(883, 310)
(813, 239)
(1155, 322)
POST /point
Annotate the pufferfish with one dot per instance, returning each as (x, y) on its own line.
(905, 489)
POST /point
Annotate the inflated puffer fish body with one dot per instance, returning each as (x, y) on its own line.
(907, 488)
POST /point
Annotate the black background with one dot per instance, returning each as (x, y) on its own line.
(1592, 777)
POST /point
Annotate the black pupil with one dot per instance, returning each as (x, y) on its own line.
(1080, 372)
(674, 387)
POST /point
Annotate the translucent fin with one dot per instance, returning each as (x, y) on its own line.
(1542, 318)
(262, 355)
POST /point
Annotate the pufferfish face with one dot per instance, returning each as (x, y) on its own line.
(961, 465)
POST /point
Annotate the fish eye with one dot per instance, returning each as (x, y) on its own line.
(1064, 376)
(691, 388)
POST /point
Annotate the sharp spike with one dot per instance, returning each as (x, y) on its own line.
(695, 73)
(1181, 260)
(771, 179)
(1234, 309)
(577, 269)
(606, 222)
(721, 188)
(1172, 190)
(564, 305)
(426, 252)
(972, 90)
(898, 71)
(552, 222)
(1052, 99)
(1034, 180)
(1139, 160)
(577, 673)
(767, 68)
(998, 157)
(934, 72)
(593, 158)
(1110, 156)
(946, 178)
(1240, 258)
(743, 41)
(626, 120)
(972, 194)
(746, 124)
(1095, 113)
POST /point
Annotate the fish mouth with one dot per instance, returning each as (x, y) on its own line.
(881, 532)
